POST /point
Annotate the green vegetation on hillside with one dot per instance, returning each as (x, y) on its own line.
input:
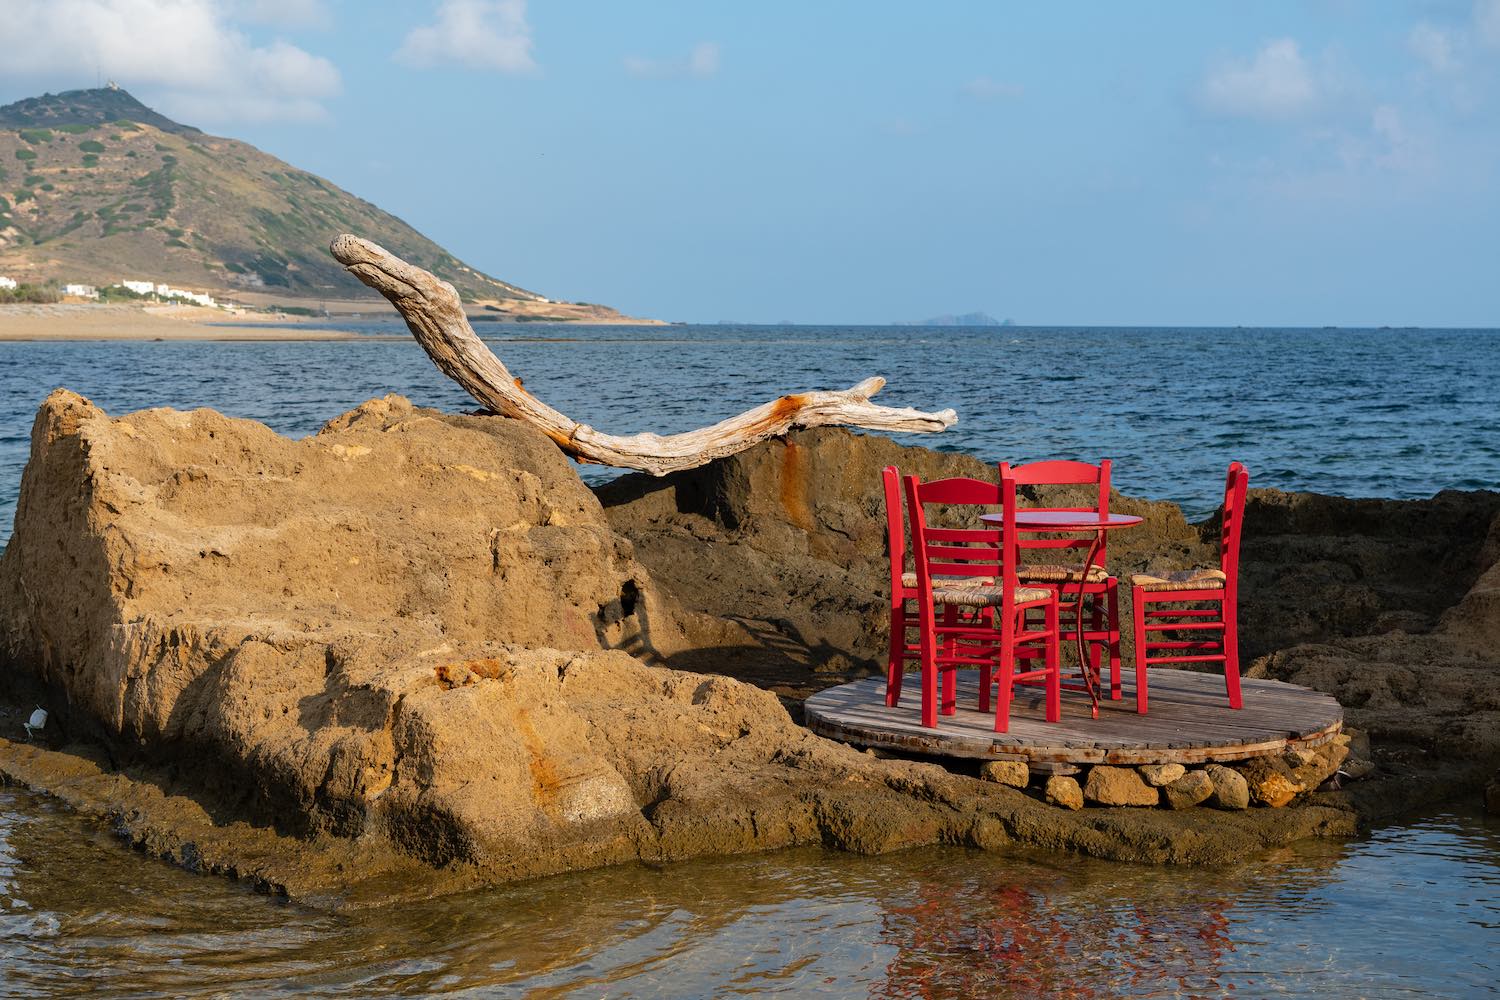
(151, 198)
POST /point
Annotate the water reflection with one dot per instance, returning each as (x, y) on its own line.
(1411, 911)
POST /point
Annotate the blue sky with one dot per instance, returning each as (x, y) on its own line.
(1173, 163)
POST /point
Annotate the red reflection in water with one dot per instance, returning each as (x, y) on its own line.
(1023, 943)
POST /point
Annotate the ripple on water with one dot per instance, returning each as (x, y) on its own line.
(1409, 911)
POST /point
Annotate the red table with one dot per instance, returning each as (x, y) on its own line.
(1073, 522)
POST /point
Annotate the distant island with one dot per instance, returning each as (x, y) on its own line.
(962, 319)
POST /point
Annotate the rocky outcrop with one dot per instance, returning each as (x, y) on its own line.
(422, 631)
(787, 540)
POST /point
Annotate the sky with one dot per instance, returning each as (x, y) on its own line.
(1325, 162)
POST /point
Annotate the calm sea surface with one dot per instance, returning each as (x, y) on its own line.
(1412, 910)
(1388, 413)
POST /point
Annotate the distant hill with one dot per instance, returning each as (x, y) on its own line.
(96, 187)
(965, 319)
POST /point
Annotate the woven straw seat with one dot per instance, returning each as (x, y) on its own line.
(1044, 573)
(973, 595)
(910, 580)
(1185, 579)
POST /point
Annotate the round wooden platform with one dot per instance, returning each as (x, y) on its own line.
(1189, 722)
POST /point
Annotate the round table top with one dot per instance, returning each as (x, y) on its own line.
(1065, 520)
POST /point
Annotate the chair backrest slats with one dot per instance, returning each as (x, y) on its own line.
(1064, 473)
(1236, 483)
(895, 530)
(960, 552)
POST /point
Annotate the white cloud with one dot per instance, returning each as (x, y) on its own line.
(185, 53)
(1276, 83)
(984, 89)
(1435, 47)
(477, 34)
(702, 61)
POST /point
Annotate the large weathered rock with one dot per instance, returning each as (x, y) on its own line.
(1230, 789)
(1006, 772)
(1270, 781)
(1061, 790)
(1118, 786)
(1157, 775)
(1438, 690)
(1188, 790)
(420, 630)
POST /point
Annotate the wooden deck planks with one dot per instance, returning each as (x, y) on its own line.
(1189, 721)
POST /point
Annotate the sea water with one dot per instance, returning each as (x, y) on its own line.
(1381, 413)
(1411, 910)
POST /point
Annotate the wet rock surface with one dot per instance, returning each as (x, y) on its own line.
(419, 633)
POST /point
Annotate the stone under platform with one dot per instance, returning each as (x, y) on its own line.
(1189, 722)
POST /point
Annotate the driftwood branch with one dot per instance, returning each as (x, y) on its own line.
(434, 314)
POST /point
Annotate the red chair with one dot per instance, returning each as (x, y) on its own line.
(903, 587)
(983, 624)
(1101, 590)
(1217, 587)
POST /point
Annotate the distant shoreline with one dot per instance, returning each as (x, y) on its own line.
(67, 322)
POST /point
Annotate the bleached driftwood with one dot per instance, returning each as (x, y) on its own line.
(434, 314)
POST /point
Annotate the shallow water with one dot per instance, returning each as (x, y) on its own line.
(1388, 413)
(1409, 911)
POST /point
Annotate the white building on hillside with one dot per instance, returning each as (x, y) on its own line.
(140, 287)
(81, 291)
(7, 282)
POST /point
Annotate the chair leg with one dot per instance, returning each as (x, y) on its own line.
(1003, 691)
(1138, 611)
(950, 676)
(929, 685)
(1232, 654)
(1054, 664)
(895, 665)
(986, 671)
(1113, 600)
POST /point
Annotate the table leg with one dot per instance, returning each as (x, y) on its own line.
(1090, 679)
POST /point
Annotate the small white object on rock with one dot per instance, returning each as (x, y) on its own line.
(36, 723)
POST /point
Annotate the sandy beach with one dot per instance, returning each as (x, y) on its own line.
(156, 322)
